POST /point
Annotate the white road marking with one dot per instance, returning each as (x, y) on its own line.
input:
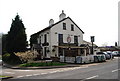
(53, 72)
(59, 71)
(44, 73)
(35, 74)
(92, 77)
(28, 75)
(115, 70)
(19, 76)
(24, 70)
(78, 67)
(66, 69)
(9, 72)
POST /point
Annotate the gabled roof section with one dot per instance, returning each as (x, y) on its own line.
(76, 24)
(47, 28)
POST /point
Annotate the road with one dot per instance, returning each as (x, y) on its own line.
(107, 71)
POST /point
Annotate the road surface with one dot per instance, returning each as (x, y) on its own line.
(108, 71)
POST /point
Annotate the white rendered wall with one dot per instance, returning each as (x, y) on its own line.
(47, 32)
(58, 29)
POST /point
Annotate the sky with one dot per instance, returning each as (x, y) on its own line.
(97, 18)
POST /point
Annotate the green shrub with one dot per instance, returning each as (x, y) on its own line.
(5, 57)
(11, 59)
(27, 56)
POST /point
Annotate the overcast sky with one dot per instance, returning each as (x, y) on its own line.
(97, 18)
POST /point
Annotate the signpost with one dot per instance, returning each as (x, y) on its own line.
(92, 40)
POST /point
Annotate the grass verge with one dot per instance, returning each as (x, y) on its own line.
(1, 76)
(5, 77)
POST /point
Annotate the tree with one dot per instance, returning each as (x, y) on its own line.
(16, 39)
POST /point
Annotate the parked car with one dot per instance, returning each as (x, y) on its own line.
(100, 57)
(111, 55)
(116, 53)
(107, 56)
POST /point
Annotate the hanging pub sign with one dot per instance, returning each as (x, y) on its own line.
(68, 39)
(92, 39)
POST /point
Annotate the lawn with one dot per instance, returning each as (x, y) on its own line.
(42, 64)
(2, 76)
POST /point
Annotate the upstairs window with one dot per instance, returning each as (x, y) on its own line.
(64, 26)
(72, 27)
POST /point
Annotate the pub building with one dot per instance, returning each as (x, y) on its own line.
(63, 38)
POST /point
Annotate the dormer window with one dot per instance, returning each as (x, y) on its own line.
(64, 26)
(72, 27)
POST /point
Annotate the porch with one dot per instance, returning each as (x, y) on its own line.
(72, 51)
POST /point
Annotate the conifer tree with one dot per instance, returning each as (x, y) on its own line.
(16, 38)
